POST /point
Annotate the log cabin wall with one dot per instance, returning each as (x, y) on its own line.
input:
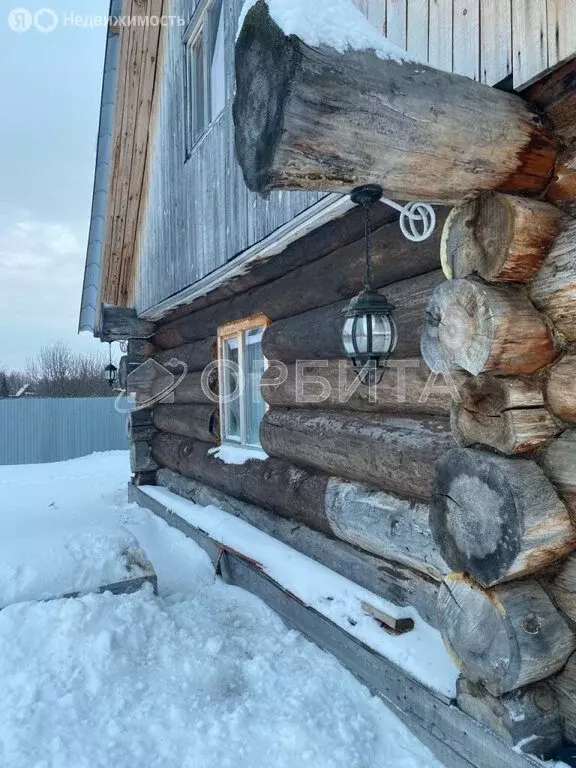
(351, 474)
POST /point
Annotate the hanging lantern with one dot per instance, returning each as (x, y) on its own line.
(110, 371)
(369, 334)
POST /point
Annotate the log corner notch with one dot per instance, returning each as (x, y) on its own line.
(122, 323)
(317, 119)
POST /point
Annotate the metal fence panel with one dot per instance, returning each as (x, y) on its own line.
(38, 430)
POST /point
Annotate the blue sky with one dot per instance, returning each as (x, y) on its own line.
(50, 85)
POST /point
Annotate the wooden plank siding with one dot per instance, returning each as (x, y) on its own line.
(196, 215)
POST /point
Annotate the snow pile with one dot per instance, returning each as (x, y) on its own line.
(54, 541)
(337, 24)
(236, 454)
(420, 652)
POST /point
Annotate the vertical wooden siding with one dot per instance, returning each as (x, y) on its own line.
(198, 213)
(484, 39)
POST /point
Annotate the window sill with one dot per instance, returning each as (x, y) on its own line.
(237, 454)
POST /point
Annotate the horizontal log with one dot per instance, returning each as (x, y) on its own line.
(528, 717)
(555, 95)
(481, 327)
(498, 237)
(560, 389)
(562, 188)
(121, 323)
(199, 421)
(503, 413)
(333, 278)
(376, 522)
(506, 637)
(553, 289)
(145, 433)
(431, 135)
(564, 686)
(562, 587)
(195, 356)
(497, 518)
(141, 348)
(141, 458)
(192, 388)
(558, 460)
(391, 580)
(291, 339)
(393, 454)
(407, 386)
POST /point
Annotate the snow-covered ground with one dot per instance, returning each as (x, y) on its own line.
(204, 674)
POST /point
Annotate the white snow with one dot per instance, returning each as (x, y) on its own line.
(419, 652)
(54, 540)
(237, 454)
(338, 24)
(204, 674)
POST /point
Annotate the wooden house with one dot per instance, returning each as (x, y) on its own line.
(224, 247)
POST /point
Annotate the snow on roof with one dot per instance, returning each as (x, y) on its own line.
(338, 24)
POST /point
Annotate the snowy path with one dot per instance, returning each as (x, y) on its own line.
(202, 675)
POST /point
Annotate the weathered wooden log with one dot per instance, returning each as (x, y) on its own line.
(561, 388)
(374, 521)
(505, 637)
(407, 386)
(121, 323)
(480, 327)
(195, 356)
(393, 581)
(498, 237)
(504, 413)
(393, 454)
(328, 280)
(300, 118)
(291, 339)
(199, 421)
(562, 587)
(553, 289)
(193, 388)
(555, 95)
(497, 518)
(143, 433)
(528, 717)
(141, 348)
(141, 459)
(562, 188)
(564, 687)
(558, 460)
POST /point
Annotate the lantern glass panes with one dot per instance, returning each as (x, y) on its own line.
(369, 332)
(110, 374)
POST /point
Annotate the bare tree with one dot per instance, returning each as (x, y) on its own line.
(4, 388)
(59, 372)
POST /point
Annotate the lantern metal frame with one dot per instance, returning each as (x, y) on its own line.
(110, 371)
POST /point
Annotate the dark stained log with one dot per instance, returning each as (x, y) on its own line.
(317, 334)
(121, 323)
(393, 454)
(300, 115)
(479, 327)
(144, 478)
(562, 189)
(564, 686)
(144, 433)
(553, 289)
(335, 277)
(561, 388)
(191, 388)
(498, 237)
(141, 348)
(141, 459)
(528, 717)
(195, 356)
(393, 581)
(281, 487)
(497, 518)
(320, 242)
(507, 414)
(506, 637)
(562, 587)
(407, 386)
(199, 421)
(555, 94)
(558, 460)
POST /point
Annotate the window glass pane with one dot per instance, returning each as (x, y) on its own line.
(233, 429)
(217, 65)
(197, 80)
(255, 406)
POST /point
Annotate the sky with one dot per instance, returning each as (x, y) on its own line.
(50, 84)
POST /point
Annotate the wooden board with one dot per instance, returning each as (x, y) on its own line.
(466, 38)
(495, 40)
(453, 736)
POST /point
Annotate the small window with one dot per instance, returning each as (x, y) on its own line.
(205, 96)
(241, 365)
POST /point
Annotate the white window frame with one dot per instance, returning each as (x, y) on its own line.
(237, 330)
(200, 27)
